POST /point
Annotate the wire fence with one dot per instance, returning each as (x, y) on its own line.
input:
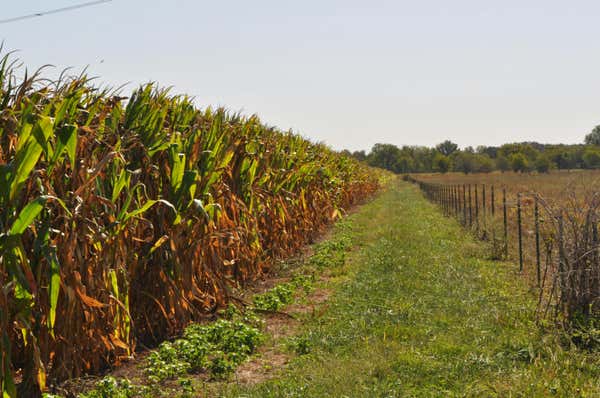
(556, 247)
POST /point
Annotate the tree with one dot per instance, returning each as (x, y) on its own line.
(447, 148)
(591, 158)
(405, 164)
(483, 163)
(384, 156)
(502, 163)
(564, 160)
(441, 163)
(463, 161)
(519, 162)
(359, 155)
(593, 138)
(543, 164)
(491, 151)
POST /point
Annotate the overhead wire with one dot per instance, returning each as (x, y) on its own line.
(53, 11)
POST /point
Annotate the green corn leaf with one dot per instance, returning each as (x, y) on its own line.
(187, 190)
(30, 212)
(6, 176)
(146, 207)
(177, 167)
(67, 139)
(24, 134)
(252, 172)
(66, 142)
(114, 283)
(26, 160)
(9, 389)
(42, 131)
(122, 182)
(54, 289)
(28, 215)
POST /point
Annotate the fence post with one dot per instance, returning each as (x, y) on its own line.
(451, 201)
(505, 223)
(561, 260)
(483, 204)
(446, 200)
(520, 232)
(464, 192)
(454, 198)
(537, 242)
(493, 202)
(442, 199)
(595, 238)
(457, 188)
(476, 209)
(470, 208)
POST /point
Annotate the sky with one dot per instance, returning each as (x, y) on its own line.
(345, 72)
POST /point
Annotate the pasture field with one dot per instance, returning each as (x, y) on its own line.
(555, 187)
(547, 223)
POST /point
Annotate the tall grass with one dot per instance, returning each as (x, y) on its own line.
(123, 219)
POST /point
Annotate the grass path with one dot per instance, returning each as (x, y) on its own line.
(418, 311)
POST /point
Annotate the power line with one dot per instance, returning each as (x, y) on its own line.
(55, 11)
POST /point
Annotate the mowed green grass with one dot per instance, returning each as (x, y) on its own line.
(420, 312)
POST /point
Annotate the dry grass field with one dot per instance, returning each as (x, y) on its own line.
(555, 186)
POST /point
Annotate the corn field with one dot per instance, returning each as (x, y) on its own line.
(124, 219)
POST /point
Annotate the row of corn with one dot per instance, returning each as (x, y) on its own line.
(124, 219)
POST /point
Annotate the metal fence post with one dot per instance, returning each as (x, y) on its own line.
(464, 194)
(520, 232)
(505, 223)
(470, 208)
(493, 202)
(537, 241)
(561, 260)
(476, 209)
(483, 204)
(457, 195)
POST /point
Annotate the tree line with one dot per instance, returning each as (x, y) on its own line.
(519, 157)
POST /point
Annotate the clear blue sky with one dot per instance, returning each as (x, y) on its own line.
(350, 73)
